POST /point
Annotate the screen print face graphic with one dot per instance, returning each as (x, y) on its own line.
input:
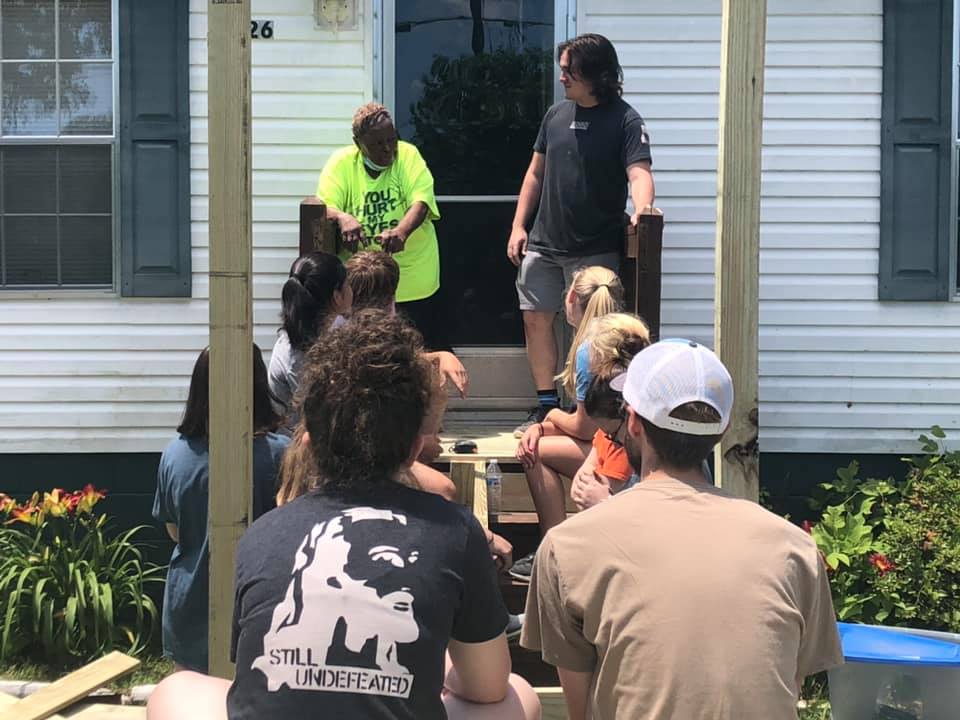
(348, 606)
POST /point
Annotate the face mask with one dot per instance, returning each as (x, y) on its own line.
(373, 166)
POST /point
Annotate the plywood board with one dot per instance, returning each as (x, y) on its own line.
(67, 690)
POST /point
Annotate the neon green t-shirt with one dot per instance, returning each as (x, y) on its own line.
(380, 203)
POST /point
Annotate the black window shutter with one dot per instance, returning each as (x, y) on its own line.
(916, 150)
(155, 148)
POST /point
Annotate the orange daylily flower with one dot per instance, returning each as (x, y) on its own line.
(882, 563)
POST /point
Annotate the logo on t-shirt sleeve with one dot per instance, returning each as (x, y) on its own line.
(339, 625)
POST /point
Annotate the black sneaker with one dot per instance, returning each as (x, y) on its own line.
(536, 415)
(514, 626)
(523, 568)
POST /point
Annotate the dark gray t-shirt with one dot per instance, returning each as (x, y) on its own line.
(344, 606)
(584, 190)
(181, 500)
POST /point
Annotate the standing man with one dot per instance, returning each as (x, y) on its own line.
(589, 147)
(674, 600)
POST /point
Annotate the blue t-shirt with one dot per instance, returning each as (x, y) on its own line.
(181, 500)
(582, 371)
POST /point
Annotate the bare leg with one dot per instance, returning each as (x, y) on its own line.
(189, 696)
(521, 703)
(557, 455)
(541, 347)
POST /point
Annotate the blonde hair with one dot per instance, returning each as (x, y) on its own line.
(614, 340)
(598, 292)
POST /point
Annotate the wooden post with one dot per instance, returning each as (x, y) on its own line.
(316, 231)
(641, 268)
(231, 331)
(737, 459)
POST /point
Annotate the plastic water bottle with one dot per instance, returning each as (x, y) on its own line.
(494, 486)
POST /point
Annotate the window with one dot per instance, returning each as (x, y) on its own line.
(58, 81)
(469, 83)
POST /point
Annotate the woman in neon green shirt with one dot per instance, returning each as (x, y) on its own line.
(380, 192)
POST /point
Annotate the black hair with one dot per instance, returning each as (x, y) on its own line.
(593, 59)
(602, 401)
(196, 414)
(307, 295)
(680, 450)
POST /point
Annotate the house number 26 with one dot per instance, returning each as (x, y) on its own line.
(261, 29)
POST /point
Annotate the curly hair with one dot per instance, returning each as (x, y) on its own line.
(368, 117)
(373, 277)
(594, 59)
(364, 395)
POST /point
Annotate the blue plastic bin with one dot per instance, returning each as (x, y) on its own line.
(896, 674)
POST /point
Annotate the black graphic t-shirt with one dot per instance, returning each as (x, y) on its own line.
(344, 606)
(584, 192)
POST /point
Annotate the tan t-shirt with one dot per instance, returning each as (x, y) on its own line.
(685, 603)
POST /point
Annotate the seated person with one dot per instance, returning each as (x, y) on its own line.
(348, 596)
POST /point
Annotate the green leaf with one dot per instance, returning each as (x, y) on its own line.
(938, 432)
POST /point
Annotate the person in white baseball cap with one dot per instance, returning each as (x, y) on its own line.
(675, 600)
(682, 395)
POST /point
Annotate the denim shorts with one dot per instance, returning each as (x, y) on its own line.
(543, 280)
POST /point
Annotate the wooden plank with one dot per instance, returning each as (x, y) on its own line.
(7, 700)
(231, 313)
(108, 712)
(67, 690)
(316, 232)
(492, 443)
(552, 702)
(743, 34)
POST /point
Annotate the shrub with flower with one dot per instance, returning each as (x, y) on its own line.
(68, 591)
(892, 547)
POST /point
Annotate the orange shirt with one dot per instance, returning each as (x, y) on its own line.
(612, 459)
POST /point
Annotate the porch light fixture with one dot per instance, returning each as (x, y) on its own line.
(335, 15)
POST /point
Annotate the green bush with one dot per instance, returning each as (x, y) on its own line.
(892, 547)
(68, 591)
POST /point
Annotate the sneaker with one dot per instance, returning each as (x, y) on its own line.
(514, 626)
(536, 415)
(523, 568)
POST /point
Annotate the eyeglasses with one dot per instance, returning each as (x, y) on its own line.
(614, 436)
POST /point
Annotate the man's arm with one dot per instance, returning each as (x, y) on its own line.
(642, 190)
(478, 672)
(576, 691)
(173, 532)
(526, 204)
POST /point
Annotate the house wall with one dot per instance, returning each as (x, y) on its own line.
(99, 373)
(839, 370)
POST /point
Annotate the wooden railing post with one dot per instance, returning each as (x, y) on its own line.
(317, 232)
(641, 269)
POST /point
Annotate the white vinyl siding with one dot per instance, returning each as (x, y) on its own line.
(100, 373)
(839, 370)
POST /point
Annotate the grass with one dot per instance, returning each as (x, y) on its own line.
(152, 670)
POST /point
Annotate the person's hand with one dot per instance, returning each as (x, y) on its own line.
(351, 232)
(501, 550)
(517, 245)
(393, 240)
(529, 445)
(635, 218)
(431, 449)
(451, 367)
(588, 489)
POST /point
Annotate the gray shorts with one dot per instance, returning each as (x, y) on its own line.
(543, 280)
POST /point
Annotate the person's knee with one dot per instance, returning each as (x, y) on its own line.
(189, 694)
(520, 703)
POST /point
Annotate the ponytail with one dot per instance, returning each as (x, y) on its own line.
(598, 292)
(307, 295)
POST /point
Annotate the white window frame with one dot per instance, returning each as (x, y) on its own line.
(113, 140)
